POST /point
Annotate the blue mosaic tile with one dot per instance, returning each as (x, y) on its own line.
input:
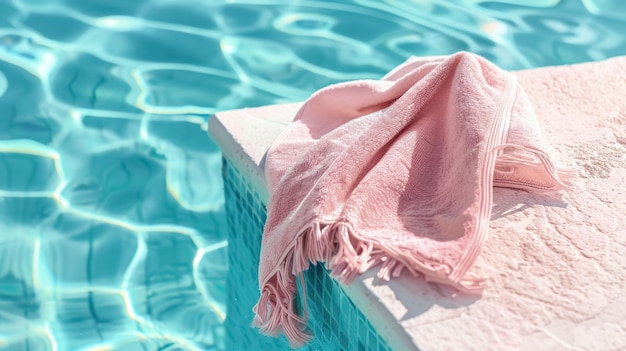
(333, 318)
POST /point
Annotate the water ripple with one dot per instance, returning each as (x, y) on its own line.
(112, 228)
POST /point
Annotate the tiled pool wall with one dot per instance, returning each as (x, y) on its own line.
(335, 321)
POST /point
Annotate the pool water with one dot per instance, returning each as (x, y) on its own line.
(112, 224)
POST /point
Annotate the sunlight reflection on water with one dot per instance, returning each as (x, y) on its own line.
(112, 229)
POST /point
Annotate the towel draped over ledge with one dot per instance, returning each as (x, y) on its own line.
(396, 173)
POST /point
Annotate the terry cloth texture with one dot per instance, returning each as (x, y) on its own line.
(396, 173)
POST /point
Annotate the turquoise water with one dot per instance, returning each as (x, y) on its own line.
(112, 228)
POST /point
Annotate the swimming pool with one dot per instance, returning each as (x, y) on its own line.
(112, 228)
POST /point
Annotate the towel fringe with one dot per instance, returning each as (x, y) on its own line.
(275, 312)
(346, 256)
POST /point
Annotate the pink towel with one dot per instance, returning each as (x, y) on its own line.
(396, 173)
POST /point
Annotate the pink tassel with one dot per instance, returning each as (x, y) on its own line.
(275, 313)
(300, 256)
(385, 271)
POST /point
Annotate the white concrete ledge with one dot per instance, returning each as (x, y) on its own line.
(556, 268)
